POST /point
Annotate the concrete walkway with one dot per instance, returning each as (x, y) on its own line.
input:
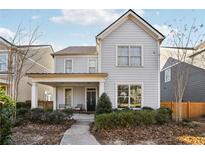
(79, 133)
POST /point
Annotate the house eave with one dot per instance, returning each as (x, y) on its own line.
(67, 77)
(160, 37)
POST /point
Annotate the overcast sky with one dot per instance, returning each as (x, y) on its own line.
(63, 28)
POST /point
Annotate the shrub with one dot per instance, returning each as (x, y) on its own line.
(146, 117)
(7, 108)
(23, 105)
(104, 105)
(22, 112)
(164, 115)
(67, 112)
(187, 120)
(122, 119)
(147, 108)
(37, 115)
(55, 117)
(20, 121)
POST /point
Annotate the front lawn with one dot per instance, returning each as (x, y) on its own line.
(38, 126)
(168, 134)
(40, 134)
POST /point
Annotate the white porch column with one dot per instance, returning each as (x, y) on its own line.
(34, 95)
(54, 98)
(101, 88)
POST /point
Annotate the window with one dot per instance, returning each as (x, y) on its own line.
(68, 97)
(129, 55)
(167, 75)
(123, 55)
(129, 96)
(123, 94)
(92, 66)
(68, 66)
(3, 62)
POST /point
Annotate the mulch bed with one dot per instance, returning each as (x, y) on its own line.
(39, 134)
(168, 134)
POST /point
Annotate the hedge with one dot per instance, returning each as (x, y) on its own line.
(125, 119)
(132, 118)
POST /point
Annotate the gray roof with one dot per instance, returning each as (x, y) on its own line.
(77, 50)
(170, 61)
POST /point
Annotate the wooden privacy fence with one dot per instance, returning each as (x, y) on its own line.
(45, 104)
(188, 109)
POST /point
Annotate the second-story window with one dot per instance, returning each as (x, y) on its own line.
(129, 55)
(92, 66)
(68, 66)
(3, 62)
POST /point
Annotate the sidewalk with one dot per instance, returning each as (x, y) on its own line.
(79, 133)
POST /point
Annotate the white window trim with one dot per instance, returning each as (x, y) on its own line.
(5, 52)
(168, 74)
(86, 96)
(96, 70)
(71, 95)
(65, 64)
(129, 83)
(142, 55)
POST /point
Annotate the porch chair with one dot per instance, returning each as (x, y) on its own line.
(64, 106)
(79, 107)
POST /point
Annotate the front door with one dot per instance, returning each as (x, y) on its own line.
(91, 99)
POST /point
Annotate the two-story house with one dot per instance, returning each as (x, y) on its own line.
(39, 60)
(125, 64)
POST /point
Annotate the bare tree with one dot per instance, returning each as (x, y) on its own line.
(183, 38)
(18, 58)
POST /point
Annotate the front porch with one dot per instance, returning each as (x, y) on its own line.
(70, 90)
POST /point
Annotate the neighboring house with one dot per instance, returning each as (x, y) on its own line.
(167, 51)
(125, 64)
(41, 62)
(197, 54)
(195, 88)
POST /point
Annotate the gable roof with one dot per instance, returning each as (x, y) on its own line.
(200, 49)
(77, 50)
(171, 62)
(140, 19)
(25, 46)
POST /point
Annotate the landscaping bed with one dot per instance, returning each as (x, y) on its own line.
(39, 134)
(168, 134)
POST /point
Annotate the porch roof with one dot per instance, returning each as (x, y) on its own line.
(67, 77)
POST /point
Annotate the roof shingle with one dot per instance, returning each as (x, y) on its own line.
(77, 50)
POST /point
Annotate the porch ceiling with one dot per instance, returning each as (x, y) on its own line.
(67, 77)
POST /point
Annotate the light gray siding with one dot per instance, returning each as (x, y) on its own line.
(130, 33)
(80, 63)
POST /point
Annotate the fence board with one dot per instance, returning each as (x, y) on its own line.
(45, 104)
(188, 109)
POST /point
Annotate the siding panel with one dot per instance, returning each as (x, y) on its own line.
(130, 33)
(80, 64)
